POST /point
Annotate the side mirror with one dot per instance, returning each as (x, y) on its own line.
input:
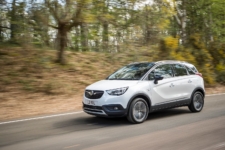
(151, 76)
(157, 78)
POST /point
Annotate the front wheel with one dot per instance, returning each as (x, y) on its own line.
(138, 111)
(197, 102)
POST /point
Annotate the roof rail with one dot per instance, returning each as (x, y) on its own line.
(138, 62)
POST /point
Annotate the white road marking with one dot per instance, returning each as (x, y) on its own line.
(220, 145)
(215, 94)
(71, 146)
(72, 113)
(215, 147)
(43, 117)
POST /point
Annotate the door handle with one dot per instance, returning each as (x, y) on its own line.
(171, 85)
(189, 81)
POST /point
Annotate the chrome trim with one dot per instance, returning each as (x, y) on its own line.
(168, 102)
(89, 110)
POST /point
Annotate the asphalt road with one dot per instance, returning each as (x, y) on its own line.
(174, 129)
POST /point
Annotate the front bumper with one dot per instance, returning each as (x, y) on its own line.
(112, 110)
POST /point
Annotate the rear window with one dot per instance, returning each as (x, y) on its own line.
(190, 71)
(192, 67)
(179, 70)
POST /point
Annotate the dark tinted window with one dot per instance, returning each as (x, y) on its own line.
(131, 72)
(179, 70)
(164, 70)
(190, 71)
(192, 67)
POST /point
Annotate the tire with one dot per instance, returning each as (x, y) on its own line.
(138, 111)
(197, 102)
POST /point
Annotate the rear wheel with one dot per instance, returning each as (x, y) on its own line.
(138, 111)
(197, 102)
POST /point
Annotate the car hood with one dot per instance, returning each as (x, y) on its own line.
(111, 84)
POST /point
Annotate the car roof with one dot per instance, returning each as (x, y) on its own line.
(189, 65)
(142, 62)
(171, 61)
(163, 61)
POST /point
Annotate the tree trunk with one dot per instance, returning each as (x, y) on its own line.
(105, 24)
(181, 18)
(97, 42)
(211, 24)
(183, 28)
(148, 36)
(96, 45)
(105, 36)
(84, 36)
(1, 35)
(62, 38)
(13, 20)
(77, 35)
(118, 39)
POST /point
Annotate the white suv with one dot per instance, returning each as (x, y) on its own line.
(140, 88)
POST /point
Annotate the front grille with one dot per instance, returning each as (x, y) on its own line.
(92, 94)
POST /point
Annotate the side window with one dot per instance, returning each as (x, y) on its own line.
(164, 70)
(190, 71)
(179, 70)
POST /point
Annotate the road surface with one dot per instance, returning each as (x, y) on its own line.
(174, 129)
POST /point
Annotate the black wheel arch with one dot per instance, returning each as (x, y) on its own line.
(140, 95)
(198, 89)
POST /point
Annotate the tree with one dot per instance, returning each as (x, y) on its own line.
(66, 15)
(155, 20)
(181, 18)
(218, 19)
(3, 20)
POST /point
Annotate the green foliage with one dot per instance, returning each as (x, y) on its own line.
(196, 53)
(203, 58)
(193, 30)
(217, 51)
(170, 49)
(218, 19)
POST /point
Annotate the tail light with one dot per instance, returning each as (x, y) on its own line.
(199, 74)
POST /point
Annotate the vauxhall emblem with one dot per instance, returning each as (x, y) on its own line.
(91, 93)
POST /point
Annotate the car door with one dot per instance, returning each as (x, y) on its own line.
(192, 80)
(163, 91)
(183, 86)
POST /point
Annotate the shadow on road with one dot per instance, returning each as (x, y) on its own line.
(89, 122)
(167, 113)
(47, 127)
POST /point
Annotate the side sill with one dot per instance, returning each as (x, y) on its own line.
(170, 105)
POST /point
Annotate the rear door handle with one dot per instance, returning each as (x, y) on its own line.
(189, 81)
(171, 85)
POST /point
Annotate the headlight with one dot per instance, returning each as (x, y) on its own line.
(117, 92)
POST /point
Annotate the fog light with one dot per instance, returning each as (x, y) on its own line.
(116, 108)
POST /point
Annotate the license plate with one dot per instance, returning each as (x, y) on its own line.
(89, 102)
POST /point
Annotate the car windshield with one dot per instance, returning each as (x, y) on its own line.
(131, 72)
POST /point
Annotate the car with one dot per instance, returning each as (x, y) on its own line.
(140, 88)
